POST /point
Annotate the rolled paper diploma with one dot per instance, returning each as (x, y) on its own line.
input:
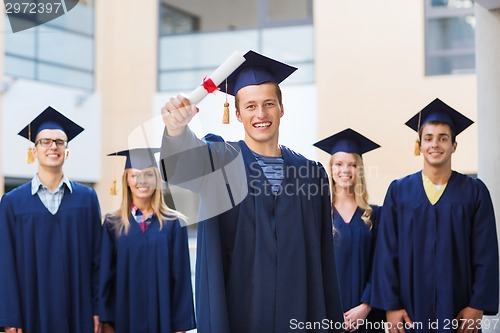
(219, 75)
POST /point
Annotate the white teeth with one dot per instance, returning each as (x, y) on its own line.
(263, 125)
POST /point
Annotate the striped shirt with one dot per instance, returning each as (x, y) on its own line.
(140, 219)
(273, 168)
(51, 200)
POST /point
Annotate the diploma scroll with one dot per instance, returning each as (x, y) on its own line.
(219, 75)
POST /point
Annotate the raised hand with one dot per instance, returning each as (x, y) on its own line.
(177, 113)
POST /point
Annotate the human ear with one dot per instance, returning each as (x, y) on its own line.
(238, 116)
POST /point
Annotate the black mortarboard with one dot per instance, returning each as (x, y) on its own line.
(50, 118)
(347, 141)
(439, 111)
(138, 158)
(255, 70)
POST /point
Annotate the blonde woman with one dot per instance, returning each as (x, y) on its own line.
(353, 227)
(145, 278)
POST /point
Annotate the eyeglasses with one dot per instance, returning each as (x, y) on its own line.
(47, 143)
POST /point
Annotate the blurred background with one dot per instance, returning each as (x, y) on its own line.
(369, 65)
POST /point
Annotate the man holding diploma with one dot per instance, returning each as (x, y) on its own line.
(265, 264)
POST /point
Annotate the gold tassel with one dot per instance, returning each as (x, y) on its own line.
(416, 152)
(112, 189)
(225, 117)
(30, 159)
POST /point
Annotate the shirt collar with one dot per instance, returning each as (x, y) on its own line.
(36, 183)
(136, 209)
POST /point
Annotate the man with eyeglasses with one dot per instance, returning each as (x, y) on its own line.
(50, 232)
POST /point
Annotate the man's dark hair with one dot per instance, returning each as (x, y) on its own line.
(435, 122)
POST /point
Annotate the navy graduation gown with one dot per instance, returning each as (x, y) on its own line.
(145, 280)
(354, 244)
(436, 260)
(50, 263)
(267, 264)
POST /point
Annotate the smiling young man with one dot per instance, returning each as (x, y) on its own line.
(266, 262)
(50, 231)
(436, 258)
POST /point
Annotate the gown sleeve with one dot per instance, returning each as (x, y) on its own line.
(333, 302)
(385, 277)
(484, 254)
(367, 292)
(10, 305)
(107, 276)
(184, 160)
(182, 315)
(96, 251)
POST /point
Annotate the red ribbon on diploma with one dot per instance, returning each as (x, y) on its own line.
(209, 85)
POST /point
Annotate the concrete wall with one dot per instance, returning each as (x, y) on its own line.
(126, 56)
(488, 103)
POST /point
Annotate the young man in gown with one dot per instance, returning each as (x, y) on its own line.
(265, 264)
(50, 236)
(436, 258)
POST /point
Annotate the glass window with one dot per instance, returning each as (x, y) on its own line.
(20, 67)
(449, 37)
(60, 51)
(450, 33)
(191, 46)
(182, 16)
(196, 35)
(185, 16)
(277, 11)
(21, 43)
(175, 21)
(445, 65)
(79, 19)
(453, 3)
(276, 41)
(66, 48)
(184, 69)
(65, 76)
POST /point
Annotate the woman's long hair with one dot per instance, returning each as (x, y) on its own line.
(360, 192)
(120, 217)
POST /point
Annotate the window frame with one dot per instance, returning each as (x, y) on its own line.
(38, 62)
(430, 13)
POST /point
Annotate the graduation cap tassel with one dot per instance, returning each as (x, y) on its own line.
(416, 151)
(225, 117)
(112, 188)
(30, 159)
